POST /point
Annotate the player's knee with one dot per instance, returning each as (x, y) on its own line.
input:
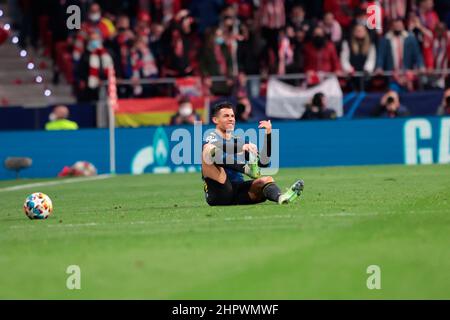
(207, 157)
(264, 180)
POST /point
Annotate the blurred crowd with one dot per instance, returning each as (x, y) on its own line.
(150, 39)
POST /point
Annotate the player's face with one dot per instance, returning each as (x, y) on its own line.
(225, 120)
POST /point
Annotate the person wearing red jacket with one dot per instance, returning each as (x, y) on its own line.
(320, 54)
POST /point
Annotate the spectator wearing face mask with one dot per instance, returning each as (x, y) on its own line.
(96, 24)
(399, 50)
(444, 108)
(185, 114)
(320, 53)
(216, 60)
(93, 68)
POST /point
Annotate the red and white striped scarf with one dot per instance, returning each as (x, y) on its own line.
(143, 63)
(100, 65)
(394, 8)
(286, 54)
(82, 37)
(440, 52)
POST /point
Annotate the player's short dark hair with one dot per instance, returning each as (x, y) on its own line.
(221, 105)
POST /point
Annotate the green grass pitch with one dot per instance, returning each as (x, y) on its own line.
(154, 237)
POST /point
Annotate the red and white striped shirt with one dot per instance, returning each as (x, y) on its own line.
(272, 14)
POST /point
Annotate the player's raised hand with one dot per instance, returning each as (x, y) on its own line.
(266, 124)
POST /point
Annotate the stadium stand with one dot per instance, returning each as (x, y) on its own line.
(26, 75)
(154, 44)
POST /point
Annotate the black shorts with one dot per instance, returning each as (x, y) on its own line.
(229, 193)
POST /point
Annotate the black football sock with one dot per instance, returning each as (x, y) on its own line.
(272, 192)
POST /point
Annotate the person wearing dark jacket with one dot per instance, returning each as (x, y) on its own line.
(317, 109)
(390, 106)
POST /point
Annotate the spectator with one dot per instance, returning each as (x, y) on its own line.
(342, 9)
(249, 50)
(230, 31)
(285, 50)
(444, 108)
(317, 109)
(390, 106)
(206, 13)
(297, 18)
(416, 28)
(320, 53)
(142, 27)
(156, 42)
(177, 62)
(271, 18)
(185, 114)
(395, 9)
(93, 68)
(427, 15)
(121, 46)
(94, 24)
(437, 54)
(215, 60)
(143, 66)
(163, 11)
(399, 50)
(359, 53)
(332, 29)
(298, 65)
(59, 120)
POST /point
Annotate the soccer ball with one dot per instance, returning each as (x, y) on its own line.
(38, 206)
(83, 169)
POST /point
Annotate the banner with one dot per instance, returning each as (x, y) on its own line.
(153, 111)
(288, 102)
(189, 86)
(173, 149)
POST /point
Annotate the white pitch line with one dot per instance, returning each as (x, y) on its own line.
(55, 183)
